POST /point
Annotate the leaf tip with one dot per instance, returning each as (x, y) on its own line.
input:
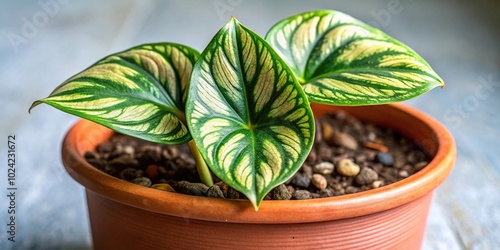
(34, 104)
(256, 206)
(254, 200)
(234, 20)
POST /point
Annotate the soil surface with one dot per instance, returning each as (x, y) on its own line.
(348, 156)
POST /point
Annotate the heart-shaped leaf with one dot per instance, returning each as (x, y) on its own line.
(342, 61)
(247, 113)
(140, 92)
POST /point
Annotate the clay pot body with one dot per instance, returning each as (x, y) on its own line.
(128, 216)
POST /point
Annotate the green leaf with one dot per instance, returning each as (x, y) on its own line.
(140, 92)
(342, 61)
(248, 114)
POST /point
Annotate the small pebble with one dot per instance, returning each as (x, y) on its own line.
(223, 187)
(301, 180)
(129, 150)
(372, 136)
(315, 195)
(308, 171)
(162, 170)
(152, 171)
(319, 181)
(130, 173)
(415, 156)
(399, 160)
(185, 161)
(366, 176)
(233, 194)
(301, 195)
(98, 163)
(215, 192)
(91, 155)
(328, 192)
(403, 173)
(105, 147)
(327, 131)
(123, 161)
(385, 158)
(170, 153)
(325, 152)
(150, 153)
(419, 166)
(313, 156)
(338, 187)
(325, 168)
(351, 190)
(198, 189)
(164, 187)
(376, 184)
(347, 167)
(345, 140)
(143, 181)
(281, 193)
(318, 134)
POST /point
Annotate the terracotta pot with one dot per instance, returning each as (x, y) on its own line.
(127, 216)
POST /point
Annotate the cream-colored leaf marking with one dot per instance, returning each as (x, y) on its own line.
(91, 104)
(332, 41)
(71, 86)
(297, 114)
(229, 48)
(157, 65)
(225, 75)
(284, 103)
(303, 39)
(168, 123)
(383, 81)
(112, 72)
(270, 166)
(184, 68)
(289, 139)
(414, 76)
(71, 97)
(137, 128)
(249, 54)
(243, 170)
(137, 112)
(360, 49)
(402, 60)
(227, 154)
(263, 90)
(208, 95)
(210, 133)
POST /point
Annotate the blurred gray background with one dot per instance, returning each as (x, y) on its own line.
(44, 42)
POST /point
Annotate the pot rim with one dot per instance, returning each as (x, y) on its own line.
(85, 135)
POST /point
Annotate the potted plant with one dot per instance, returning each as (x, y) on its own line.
(243, 106)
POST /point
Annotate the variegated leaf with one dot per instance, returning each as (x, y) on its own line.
(248, 115)
(342, 61)
(140, 92)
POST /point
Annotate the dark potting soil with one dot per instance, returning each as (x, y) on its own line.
(348, 156)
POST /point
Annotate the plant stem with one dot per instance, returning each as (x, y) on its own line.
(201, 166)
